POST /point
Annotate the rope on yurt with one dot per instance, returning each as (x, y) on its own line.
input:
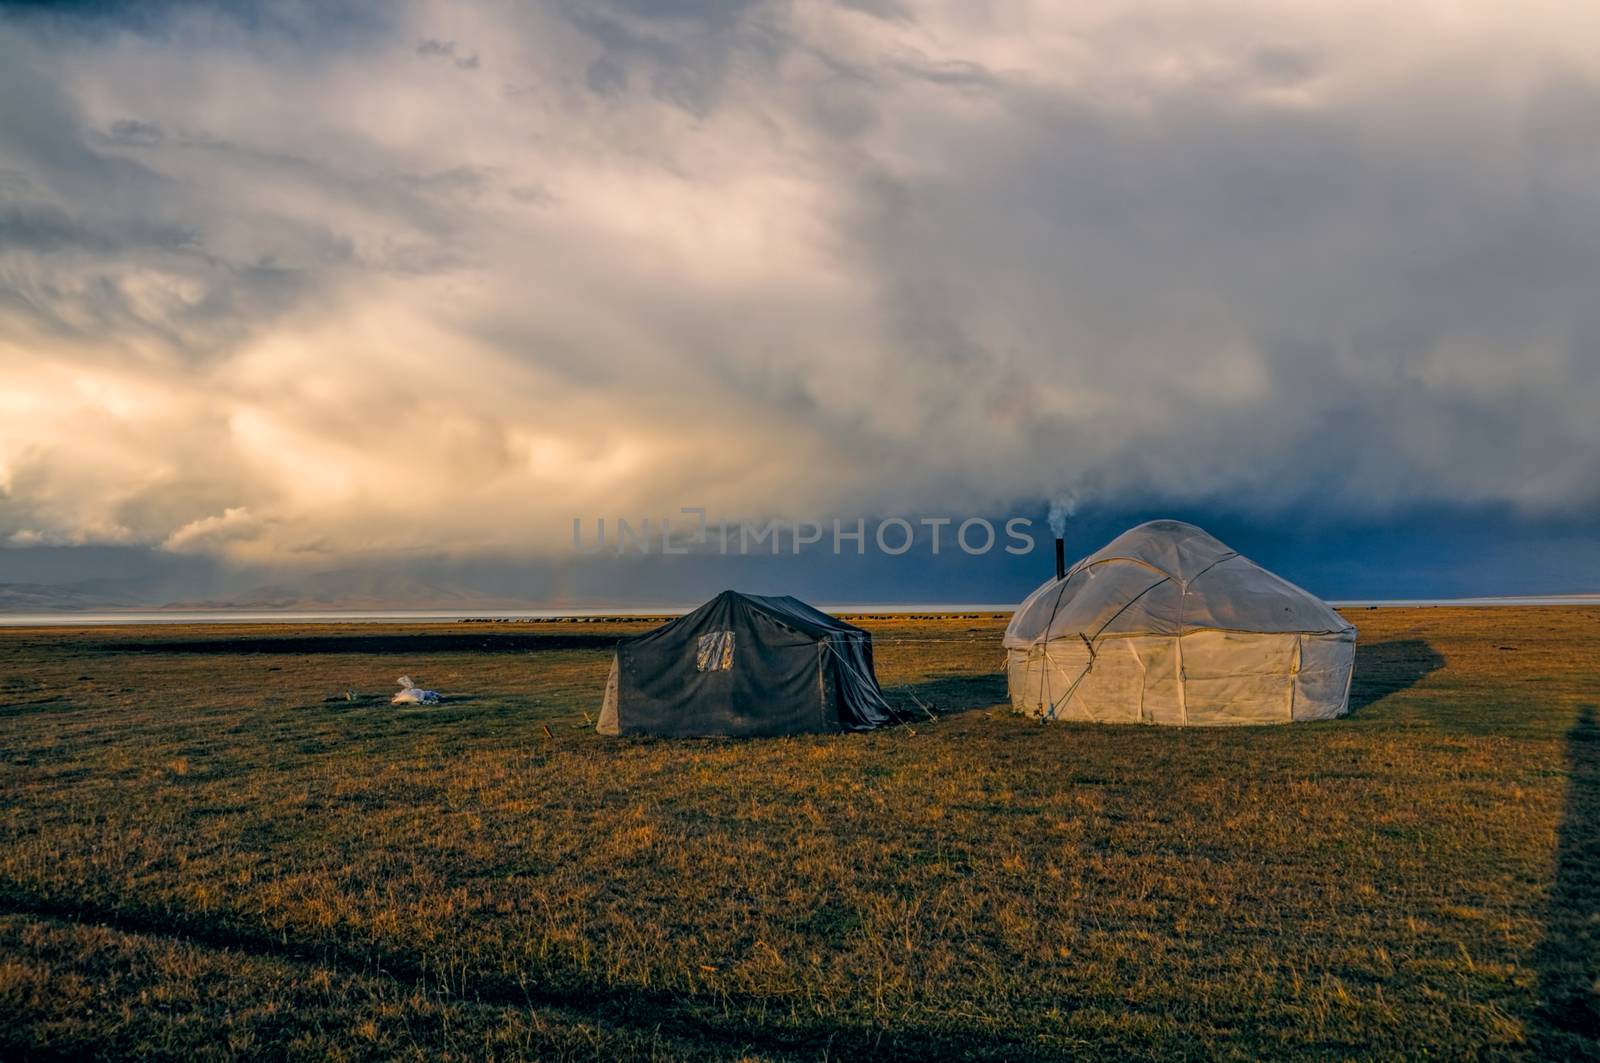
(1177, 646)
(1044, 672)
(1294, 674)
(1073, 688)
(1089, 641)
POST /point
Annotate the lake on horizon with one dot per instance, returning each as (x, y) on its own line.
(374, 616)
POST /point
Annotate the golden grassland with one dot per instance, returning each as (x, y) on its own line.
(206, 850)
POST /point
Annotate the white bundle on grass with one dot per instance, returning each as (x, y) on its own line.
(411, 694)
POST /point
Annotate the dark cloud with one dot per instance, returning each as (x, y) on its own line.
(703, 11)
(606, 76)
(325, 24)
(885, 9)
(1241, 263)
(47, 229)
(684, 51)
(462, 58)
(130, 132)
(1285, 64)
(1423, 553)
(952, 72)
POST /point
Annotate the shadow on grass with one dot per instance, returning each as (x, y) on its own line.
(428, 643)
(1385, 668)
(1566, 1024)
(949, 694)
(714, 1022)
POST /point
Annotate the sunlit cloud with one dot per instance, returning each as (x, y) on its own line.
(442, 277)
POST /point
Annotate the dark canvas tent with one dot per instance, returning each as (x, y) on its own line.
(743, 664)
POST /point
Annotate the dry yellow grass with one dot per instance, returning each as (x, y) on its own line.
(212, 852)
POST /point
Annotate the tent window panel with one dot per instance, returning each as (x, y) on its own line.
(715, 653)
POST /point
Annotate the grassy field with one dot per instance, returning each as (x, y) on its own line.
(206, 850)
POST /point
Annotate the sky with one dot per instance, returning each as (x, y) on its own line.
(403, 289)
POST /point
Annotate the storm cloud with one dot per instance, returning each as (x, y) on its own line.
(442, 277)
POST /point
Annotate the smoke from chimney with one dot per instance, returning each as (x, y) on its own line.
(1062, 508)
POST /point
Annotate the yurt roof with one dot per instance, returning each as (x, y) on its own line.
(1167, 577)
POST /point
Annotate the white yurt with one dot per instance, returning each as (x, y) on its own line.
(1167, 625)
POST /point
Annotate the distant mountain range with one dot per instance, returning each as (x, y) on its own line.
(356, 590)
(330, 590)
(47, 598)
